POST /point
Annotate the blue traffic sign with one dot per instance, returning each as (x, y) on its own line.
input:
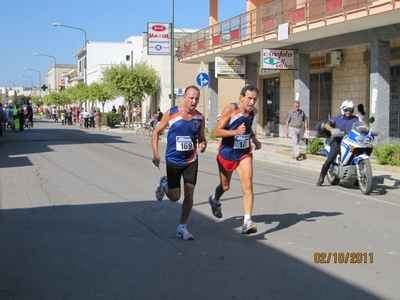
(203, 79)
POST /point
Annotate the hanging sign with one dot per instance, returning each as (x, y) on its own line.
(230, 67)
(277, 59)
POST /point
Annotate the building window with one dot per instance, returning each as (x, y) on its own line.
(128, 58)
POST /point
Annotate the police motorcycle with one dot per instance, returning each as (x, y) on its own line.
(352, 163)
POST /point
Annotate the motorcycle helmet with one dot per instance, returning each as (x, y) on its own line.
(321, 131)
(347, 104)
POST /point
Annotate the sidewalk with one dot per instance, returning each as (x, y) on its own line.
(278, 150)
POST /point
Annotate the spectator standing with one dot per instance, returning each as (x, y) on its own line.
(91, 117)
(295, 119)
(55, 112)
(3, 119)
(86, 116)
(97, 119)
(21, 118)
(62, 116)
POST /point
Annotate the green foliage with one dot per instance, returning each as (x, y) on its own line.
(111, 119)
(61, 98)
(210, 134)
(387, 154)
(20, 100)
(132, 83)
(315, 146)
(78, 93)
(100, 92)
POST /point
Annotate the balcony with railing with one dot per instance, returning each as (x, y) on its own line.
(262, 24)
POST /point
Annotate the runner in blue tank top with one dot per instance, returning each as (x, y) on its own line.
(185, 136)
(234, 127)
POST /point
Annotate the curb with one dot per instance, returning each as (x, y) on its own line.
(282, 156)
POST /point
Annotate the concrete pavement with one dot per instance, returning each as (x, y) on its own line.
(278, 150)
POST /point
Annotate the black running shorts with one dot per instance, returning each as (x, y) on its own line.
(175, 172)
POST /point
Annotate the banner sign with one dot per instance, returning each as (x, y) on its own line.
(230, 67)
(158, 39)
(277, 59)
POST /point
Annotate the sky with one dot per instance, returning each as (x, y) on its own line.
(26, 27)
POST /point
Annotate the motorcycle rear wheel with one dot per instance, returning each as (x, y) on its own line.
(365, 182)
(332, 179)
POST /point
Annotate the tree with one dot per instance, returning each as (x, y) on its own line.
(132, 83)
(78, 93)
(21, 99)
(100, 92)
(60, 99)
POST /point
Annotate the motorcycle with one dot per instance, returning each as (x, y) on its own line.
(352, 162)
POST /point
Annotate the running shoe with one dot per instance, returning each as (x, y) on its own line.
(215, 208)
(184, 234)
(248, 227)
(160, 192)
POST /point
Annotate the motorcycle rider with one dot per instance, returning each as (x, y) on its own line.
(343, 122)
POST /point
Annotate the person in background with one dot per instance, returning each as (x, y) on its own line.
(343, 122)
(16, 118)
(113, 110)
(97, 118)
(295, 119)
(3, 119)
(21, 118)
(360, 114)
(91, 117)
(29, 115)
(55, 114)
(159, 116)
(62, 116)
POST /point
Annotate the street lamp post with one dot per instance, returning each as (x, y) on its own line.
(11, 82)
(172, 57)
(31, 81)
(55, 67)
(40, 80)
(85, 59)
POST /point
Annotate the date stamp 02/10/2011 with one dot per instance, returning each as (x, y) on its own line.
(343, 257)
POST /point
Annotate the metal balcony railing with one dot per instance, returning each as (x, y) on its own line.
(262, 23)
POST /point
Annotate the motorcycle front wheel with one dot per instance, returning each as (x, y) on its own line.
(332, 179)
(365, 180)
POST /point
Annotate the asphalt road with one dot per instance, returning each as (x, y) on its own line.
(79, 220)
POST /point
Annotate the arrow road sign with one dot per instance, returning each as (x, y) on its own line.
(202, 79)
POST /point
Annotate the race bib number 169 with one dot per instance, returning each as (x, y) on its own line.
(184, 143)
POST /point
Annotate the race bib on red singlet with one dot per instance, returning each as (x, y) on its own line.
(184, 143)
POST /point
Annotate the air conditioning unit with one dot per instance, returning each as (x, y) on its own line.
(333, 59)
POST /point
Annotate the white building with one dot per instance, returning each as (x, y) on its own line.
(102, 55)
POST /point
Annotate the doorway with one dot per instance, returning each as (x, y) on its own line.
(271, 99)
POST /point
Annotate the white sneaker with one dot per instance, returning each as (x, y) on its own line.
(184, 234)
(249, 227)
(160, 192)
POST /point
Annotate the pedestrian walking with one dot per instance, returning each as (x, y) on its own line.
(185, 136)
(295, 120)
(235, 153)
